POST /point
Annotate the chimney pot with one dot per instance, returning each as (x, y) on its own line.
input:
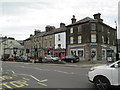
(73, 19)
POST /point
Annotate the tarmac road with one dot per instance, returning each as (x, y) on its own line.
(30, 75)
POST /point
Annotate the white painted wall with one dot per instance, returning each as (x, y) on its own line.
(62, 40)
(9, 44)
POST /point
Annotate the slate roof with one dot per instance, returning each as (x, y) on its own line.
(86, 19)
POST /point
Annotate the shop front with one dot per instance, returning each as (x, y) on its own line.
(60, 53)
(77, 50)
(108, 53)
(48, 51)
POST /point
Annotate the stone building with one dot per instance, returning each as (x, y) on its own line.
(60, 41)
(9, 47)
(44, 43)
(91, 39)
(48, 41)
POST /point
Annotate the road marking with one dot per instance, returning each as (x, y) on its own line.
(63, 72)
(44, 80)
(35, 78)
(1, 69)
(13, 72)
(26, 78)
(42, 84)
(5, 84)
(19, 83)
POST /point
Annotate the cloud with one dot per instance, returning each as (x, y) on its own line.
(26, 15)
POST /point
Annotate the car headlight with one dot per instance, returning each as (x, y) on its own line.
(91, 69)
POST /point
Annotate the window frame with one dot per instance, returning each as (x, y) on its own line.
(93, 39)
(71, 39)
(71, 30)
(80, 39)
(93, 26)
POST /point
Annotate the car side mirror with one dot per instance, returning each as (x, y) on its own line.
(116, 65)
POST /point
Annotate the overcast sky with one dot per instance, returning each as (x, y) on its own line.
(19, 18)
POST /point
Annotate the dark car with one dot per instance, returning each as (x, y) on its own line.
(71, 58)
(10, 59)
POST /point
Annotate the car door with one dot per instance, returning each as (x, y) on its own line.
(116, 75)
(119, 73)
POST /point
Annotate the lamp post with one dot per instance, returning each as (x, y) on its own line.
(117, 55)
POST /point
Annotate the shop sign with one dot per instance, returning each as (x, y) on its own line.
(93, 44)
(76, 47)
(87, 53)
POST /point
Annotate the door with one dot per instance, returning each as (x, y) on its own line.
(94, 54)
(73, 52)
(116, 75)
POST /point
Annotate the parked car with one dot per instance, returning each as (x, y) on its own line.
(105, 76)
(23, 59)
(50, 58)
(38, 60)
(71, 58)
(10, 59)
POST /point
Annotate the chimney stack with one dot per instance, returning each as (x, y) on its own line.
(73, 19)
(49, 28)
(98, 17)
(62, 25)
(37, 32)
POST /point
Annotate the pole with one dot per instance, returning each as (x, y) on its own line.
(117, 55)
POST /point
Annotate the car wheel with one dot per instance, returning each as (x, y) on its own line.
(102, 83)
(72, 61)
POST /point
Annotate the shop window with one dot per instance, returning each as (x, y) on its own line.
(73, 52)
(103, 53)
(80, 53)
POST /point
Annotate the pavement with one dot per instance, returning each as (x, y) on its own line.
(81, 64)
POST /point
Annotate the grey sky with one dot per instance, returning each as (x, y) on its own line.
(19, 18)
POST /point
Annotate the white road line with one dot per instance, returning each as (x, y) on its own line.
(63, 72)
(13, 72)
(44, 80)
(38, 79)
(1, 69)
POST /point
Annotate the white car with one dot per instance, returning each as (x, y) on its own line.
(105, 76)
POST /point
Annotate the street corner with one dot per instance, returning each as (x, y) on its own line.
(10, 80)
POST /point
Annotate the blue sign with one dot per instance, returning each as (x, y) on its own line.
(76, 47)
(93, 44)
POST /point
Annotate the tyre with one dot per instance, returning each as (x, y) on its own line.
(102, 83)
(72, 61)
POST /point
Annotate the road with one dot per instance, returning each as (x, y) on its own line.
(30, 75)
